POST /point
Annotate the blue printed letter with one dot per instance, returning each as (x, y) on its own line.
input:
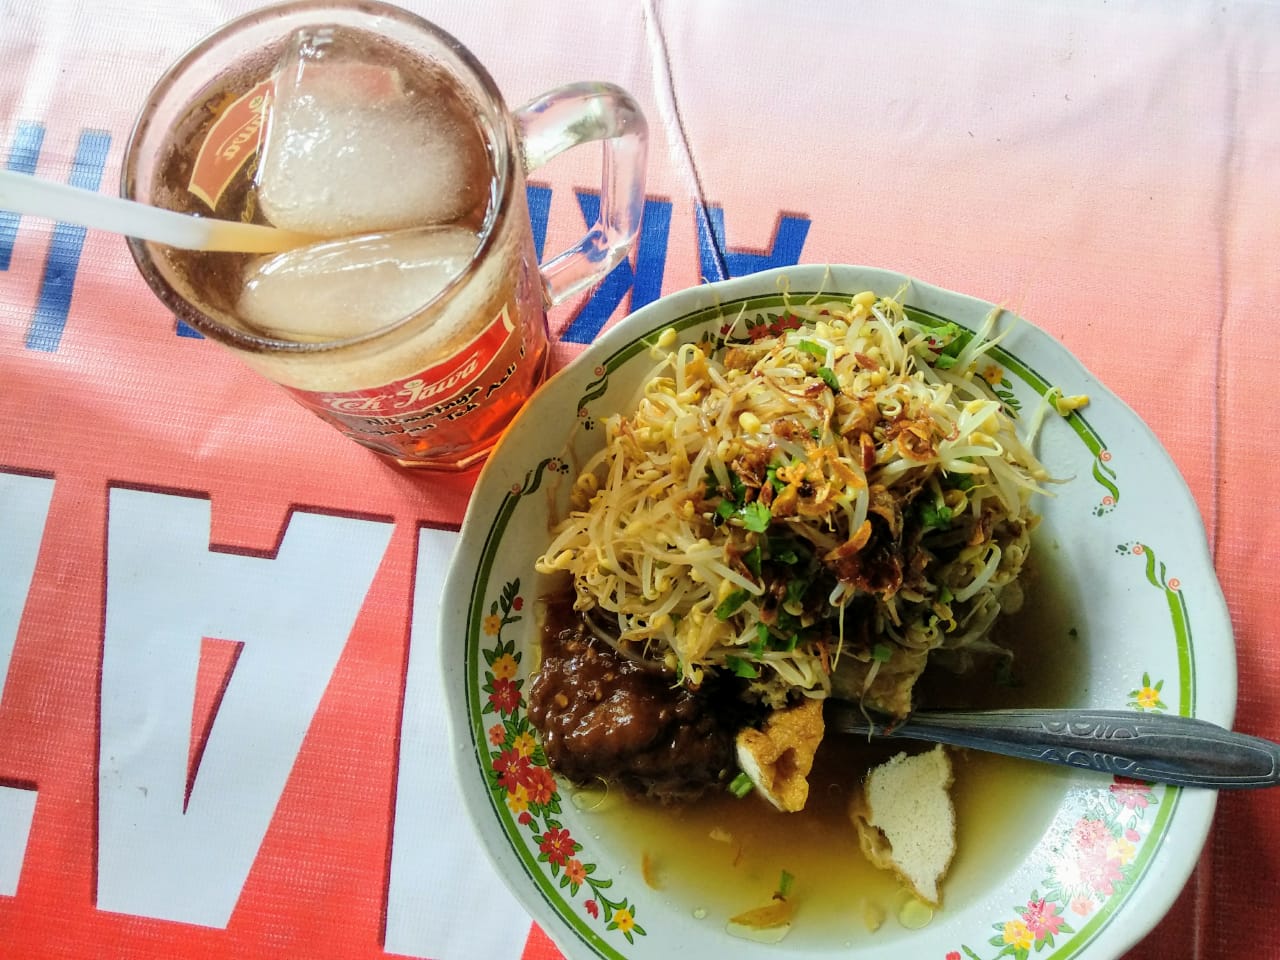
(721, 263)
(45, 332)
(644, 280)
(24, 153)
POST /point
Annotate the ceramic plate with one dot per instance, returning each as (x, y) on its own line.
(1052, 864)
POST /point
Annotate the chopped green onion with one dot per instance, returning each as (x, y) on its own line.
(816, 349)
(935, 516)
(955, 337)
(953, 348)
(786, 622)
(829, 378)
(740, 785)
(756, 646)
(785, 883)
(947, 341)
(772, 475)
(742, 668)
(783, 549)
(731, 604)
(753, 559)
(756, 517)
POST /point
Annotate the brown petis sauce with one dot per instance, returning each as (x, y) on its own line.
(603, 716)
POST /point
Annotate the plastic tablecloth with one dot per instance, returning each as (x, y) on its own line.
(1107, 169)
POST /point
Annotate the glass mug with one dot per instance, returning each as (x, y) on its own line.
(415, 324)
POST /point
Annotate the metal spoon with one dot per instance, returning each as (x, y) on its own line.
(1177, 750)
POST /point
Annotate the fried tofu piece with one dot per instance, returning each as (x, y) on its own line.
(890, 689)
(906, 821)
(779, 757)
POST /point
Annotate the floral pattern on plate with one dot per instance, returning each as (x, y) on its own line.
(1093, 861)
(1097, 858)
(521, 779)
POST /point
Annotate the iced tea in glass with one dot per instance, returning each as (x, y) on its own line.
(414, 322)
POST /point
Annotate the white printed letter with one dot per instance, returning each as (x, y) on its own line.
(439, 888)
(24, 505)
(166, 590)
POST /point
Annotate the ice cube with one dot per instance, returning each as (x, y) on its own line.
(345, 288)
(360, 138)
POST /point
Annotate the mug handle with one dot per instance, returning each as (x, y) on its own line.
(576, 114)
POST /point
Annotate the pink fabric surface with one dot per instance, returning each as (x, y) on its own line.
(1106, 169)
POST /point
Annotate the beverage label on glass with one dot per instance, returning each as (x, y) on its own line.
(230, 142)
(237, 133)
(445, 391)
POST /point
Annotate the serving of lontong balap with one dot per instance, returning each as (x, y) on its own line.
(822, 506)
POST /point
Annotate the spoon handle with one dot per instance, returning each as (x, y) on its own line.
(21, 193)
(1182, 751)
